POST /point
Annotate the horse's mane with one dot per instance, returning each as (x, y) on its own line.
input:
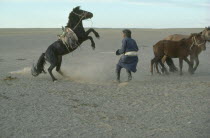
(190, 37)
(195, 34)
(70, 14)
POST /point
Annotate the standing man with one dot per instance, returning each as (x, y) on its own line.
(129, 59)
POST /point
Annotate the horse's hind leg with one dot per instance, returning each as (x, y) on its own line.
(52, 66)
(152, 63)
(157, 69)
(164, 59)
(180, 65)
(58, 67)
(164, 70)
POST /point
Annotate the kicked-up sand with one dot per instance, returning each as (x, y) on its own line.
(87, 103)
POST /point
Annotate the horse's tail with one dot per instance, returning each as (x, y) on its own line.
(39, 67)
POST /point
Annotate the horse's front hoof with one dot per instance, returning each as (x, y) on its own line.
(97, 36)
(93, 46)
(192, 72)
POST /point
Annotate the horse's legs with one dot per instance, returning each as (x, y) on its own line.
(52, 58)
(52, 66)
(180, 65)
(156, 60)
(192, 59)
(163, 67)
(171, 65)
(189, 63)
(92, 30)
(164, 59)
(58, 67)
(157, 69)
(92, 42)
(152, 63)
(197, 63)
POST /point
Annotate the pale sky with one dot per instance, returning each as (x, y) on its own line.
(107, 13)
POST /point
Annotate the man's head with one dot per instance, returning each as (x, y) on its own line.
(126, 33)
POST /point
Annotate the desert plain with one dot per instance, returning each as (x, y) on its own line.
(87, 103)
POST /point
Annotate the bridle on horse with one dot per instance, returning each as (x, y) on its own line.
(205, 35)
(194, 42)
(80, 15)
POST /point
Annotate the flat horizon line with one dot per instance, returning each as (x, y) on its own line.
(105, 28)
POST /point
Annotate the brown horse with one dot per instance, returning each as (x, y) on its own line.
(193, 56)
(177, 37)
(177, 49)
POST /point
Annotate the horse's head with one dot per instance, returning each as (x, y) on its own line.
(76, 17)
(206, 34)
(79, 14)
(199, 40)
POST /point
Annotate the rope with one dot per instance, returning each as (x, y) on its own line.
(196, 43)
(82, 16)
(200, 43)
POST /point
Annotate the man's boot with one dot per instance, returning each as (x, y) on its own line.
(129, 75)
(118, 76)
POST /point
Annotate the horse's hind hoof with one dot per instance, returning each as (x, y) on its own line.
(55, 80)
(192, 72)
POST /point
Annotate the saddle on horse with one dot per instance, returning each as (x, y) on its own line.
(69, 38)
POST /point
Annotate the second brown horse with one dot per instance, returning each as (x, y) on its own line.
(177, 49)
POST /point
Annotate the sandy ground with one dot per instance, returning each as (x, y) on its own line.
(87, 104)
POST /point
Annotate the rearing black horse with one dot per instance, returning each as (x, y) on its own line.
(56, 50)
(76, 25)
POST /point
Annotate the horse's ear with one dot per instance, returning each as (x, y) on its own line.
(76, 8)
